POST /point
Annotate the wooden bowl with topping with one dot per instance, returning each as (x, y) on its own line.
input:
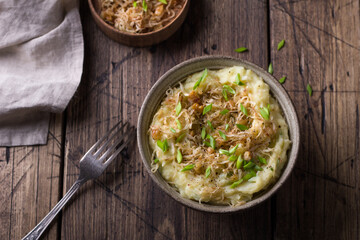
(194, 68)
(140, 39)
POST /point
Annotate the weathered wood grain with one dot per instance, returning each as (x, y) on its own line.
(124, 203)
(29, 184)
(321, 201)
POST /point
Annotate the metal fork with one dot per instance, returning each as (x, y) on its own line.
(92, 165)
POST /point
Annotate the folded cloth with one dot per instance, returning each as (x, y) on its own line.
(41, 60)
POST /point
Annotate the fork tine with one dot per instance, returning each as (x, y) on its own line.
(101, 140)
(123, 145)
(96, 154)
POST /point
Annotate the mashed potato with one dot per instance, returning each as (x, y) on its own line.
(219, 137)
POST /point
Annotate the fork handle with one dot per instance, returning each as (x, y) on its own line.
(40, 228)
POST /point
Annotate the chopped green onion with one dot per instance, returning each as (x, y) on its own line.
(135, 4)
(179, 156)
(258, 168)
(281, 44)
(243, 109)
(242, 127)
(163, 145)
(156, 160)
(239, 162)
(225, 152)
(241, 49)
(282, 80)
(207, 172)
(207, 109)
(204, 75)
(262, 160)
(163, 1)
(233, 150)
(178, 124)
(270, 69)
(229, 89)
(178, 108)
(207, 144)
(203, 133)
(212, 142)
(224, 93)
(232, 158)
(172, 130)
(237, 183)
(265, 112)
(187, 168)
(222, 135)
(210, 125)
(249, 165)
(249, 175)
(181, 137)
(223, 112)
(238, 80)
(226, 127)
(144, 5)
(271, 168)
(309, 89)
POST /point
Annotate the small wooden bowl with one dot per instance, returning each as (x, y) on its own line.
(178, 74)
(139, 39)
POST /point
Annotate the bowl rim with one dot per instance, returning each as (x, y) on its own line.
(108, 26)
(289, 111)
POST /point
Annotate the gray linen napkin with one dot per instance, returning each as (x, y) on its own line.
(41, 58)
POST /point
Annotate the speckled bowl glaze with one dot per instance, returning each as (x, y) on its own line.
(179, 73)
(139, 39)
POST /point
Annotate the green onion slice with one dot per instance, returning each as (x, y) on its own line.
(249, 175)
(309, 89)
(239, 162)
(172, 130)
(281, 44)
(265, 112)
(181, 137)
(156, 160)
(226, 127)
(163, 1)
(270, 69)
(229, 89)
(225, 152)
(223, 112)
(212, 142)
(242, 127)
(188, 167)
(233, 150)
(238, 80)
(204, 75)
(222, 135)
(237, 183)
(224, 93)
(179, 156)
(249, 165)
(262, 160)
(203, 133)
(232, 158)
(178, 108)
(210, 125)
(207, 172)
(144, 5)
(163, 145)
(178, 124)
(135, 4)
(282, 80)
(243, 109)
(207, 109)
(258, 168)
(241, 49)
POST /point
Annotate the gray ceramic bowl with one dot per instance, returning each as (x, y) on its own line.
(179, 73)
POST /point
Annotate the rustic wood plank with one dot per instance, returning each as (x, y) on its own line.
(124, 203)
(29, 188)
(321, 200)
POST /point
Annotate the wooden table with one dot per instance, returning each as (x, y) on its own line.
(321, 200)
